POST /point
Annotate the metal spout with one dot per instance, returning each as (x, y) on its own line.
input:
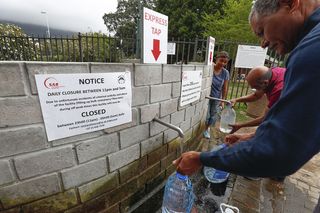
(218, 99)
(175, 128)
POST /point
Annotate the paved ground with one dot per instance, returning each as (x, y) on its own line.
(299, 192)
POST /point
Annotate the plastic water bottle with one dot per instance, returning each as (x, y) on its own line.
(213, 175)
(178, 194)
(228, 116)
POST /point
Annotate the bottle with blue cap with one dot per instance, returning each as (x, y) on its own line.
(213, 175)
(178, 194)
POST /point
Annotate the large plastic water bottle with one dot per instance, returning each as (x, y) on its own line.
(213, 175)
(228, 116)
(178, 194)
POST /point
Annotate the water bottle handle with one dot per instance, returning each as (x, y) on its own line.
(223, 206)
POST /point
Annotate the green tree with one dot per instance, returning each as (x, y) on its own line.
(232, 23)
(86, 47)
(15, 44)
(99, 47)
(124, 22)
(186, 16)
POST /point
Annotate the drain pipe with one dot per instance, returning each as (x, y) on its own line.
(160, 186)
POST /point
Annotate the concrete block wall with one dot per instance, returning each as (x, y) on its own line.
(107, 170)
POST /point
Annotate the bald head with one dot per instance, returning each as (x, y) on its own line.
(258, 78)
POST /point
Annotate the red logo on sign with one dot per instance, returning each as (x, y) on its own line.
(51, 83)
(185, 77)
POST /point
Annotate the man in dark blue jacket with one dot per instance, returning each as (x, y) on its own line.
(290, 134)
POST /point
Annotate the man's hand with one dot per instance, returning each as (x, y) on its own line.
(235, 127)
(222, 104)
(188, 163)
(235, 138)
(233, 102)
(232, 139)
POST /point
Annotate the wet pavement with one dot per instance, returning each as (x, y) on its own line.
(298, 193)
(208, 195)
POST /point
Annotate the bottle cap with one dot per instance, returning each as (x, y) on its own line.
(180, 176)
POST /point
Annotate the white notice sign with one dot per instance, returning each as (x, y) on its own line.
(171, 48)
(210, 50)
(190, 87)
(250, 56)
(155, 37)
(74, 104)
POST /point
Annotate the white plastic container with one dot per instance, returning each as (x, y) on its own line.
(228, 116)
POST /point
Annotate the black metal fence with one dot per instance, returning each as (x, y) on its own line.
(79, 48)
(106, 48)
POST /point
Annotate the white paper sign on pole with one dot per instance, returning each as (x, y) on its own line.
(155, 37)
(74, 104)
(250, 56)
(210, 50)
(190, 87)
(171, 48)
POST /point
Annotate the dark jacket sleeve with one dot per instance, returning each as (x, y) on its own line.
(290, 134)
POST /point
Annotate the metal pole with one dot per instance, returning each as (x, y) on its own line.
(47, 20)
(138, 33)
(171, 126)
(218, 99)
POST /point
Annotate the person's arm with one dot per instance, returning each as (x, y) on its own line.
(248, 98)
(255, 122)
(287, 138)
(193, 158)
(224, 91)
(235, 138)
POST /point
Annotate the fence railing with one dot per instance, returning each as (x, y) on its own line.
(106, 48)
(79, 48)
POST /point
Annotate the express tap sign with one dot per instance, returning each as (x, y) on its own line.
(155, 37)
(210, 50)
(73, 104)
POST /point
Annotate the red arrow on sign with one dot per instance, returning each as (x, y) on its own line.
(210, 56)
(156, 49)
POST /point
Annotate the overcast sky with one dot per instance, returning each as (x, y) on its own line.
(74, 15)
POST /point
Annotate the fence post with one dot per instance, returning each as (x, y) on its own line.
(80, 46)
(195, 49)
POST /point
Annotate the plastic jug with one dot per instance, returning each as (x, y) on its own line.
(228, 116)
(213, 175)
(178, 194)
